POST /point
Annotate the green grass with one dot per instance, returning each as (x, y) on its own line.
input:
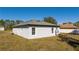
(9, 42)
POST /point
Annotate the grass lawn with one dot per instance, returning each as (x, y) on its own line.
(74, 36)
(9, 42)
(77, 38)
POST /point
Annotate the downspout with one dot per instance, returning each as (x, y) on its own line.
(56, 30)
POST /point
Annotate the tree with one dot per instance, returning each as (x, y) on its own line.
(9, 24)
(2, 22)
(68, 23)
(50, 20)
(19, 21)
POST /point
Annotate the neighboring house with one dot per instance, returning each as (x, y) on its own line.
(67, 28)
(1, 28)
(78, 27)
(36, 29)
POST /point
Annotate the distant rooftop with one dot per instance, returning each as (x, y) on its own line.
(34, 22)
(68, 26)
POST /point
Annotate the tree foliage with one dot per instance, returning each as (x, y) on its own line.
(18, 21)
(2, 22)
(50, 20)
(8, 24)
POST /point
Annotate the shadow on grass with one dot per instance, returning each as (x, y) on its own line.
(71, 41)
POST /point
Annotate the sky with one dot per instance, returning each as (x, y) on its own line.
(61, 14)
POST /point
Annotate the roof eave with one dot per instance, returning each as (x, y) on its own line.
(37, 25)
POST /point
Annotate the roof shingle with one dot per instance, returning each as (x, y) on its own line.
(36, 23)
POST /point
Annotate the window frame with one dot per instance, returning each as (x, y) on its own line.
(52, 30)
(33, 30)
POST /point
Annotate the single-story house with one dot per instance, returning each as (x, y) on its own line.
(36, 29)
(1, 28)
(67, 28)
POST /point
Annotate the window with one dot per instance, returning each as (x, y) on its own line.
(33, 31)
(52, 30)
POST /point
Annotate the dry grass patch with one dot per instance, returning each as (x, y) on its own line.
(75, 36)
(9, 42)
(13, 42)
(50, 44)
